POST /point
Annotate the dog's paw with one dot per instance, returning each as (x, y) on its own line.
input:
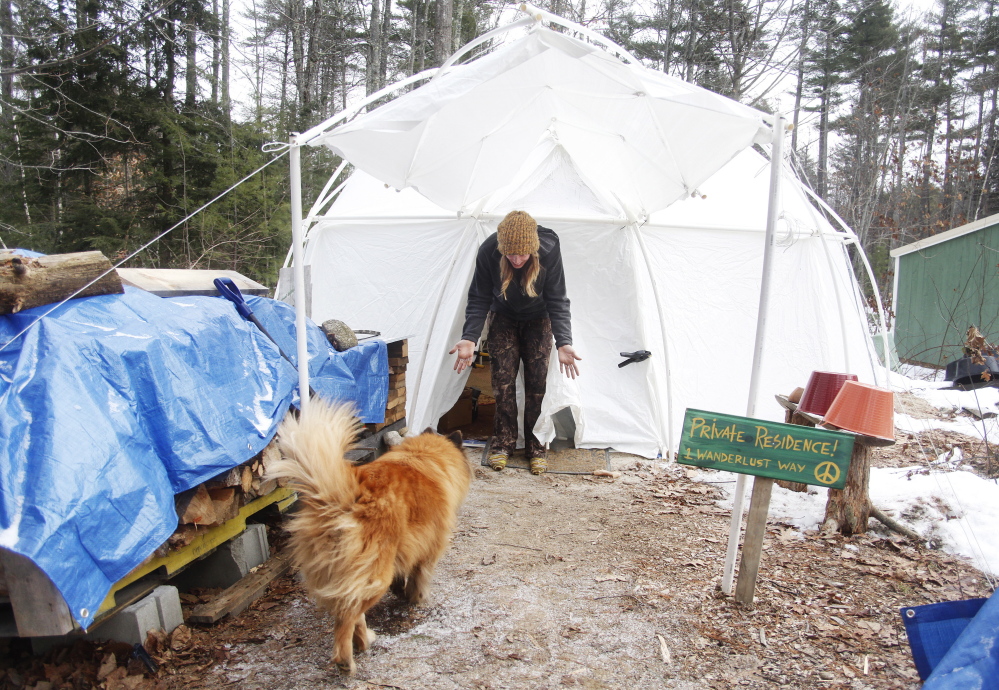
(416, 597)
(371, 637)
(345, 667)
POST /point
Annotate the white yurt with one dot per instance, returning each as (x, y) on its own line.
(661, 203)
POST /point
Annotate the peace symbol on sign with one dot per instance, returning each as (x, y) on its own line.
(827, 472)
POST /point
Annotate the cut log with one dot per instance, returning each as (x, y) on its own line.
(395, 414)
(262, 487)
(39, 609)
(226, 503)
(270, 454)
(195, 507)
(183, 535)
(246, 479)
(27, 283)
(398, 348)
(231, 477)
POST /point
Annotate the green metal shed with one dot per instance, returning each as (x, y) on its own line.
(943, 285)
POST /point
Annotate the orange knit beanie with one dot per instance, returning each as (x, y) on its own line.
(518, 234)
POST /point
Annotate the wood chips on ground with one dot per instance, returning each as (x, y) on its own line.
(575, 581)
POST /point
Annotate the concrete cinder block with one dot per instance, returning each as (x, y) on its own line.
(159, 610)
(131, 623)
(230, 562)
(168, 604)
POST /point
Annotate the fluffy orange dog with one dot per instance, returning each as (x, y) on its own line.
(361, 529)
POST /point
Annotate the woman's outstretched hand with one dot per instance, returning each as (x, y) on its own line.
(567, 359)
(466, 352)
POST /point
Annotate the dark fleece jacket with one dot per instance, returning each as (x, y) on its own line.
(484, 292)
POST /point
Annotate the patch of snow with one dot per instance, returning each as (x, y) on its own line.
(914, 372)
(956, 511)
(961, 425)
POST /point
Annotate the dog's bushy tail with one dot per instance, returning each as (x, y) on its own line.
(313, 449)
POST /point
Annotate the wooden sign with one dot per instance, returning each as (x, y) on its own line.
(765, 449)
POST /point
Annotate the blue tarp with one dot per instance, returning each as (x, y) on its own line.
(110, 405)
(954, 643)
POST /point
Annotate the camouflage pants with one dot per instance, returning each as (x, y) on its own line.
(510, 342)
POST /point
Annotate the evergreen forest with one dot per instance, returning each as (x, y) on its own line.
(121, 117)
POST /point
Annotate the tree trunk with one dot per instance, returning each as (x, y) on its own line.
(386, 29)
(422, 9)
(7, 54)
(217, 48)
(823, 161)
(224, 39)
(456, 23)
(799, 86)
(825, 103)
(442, 32)
(167, 198)
(6, 62)
(297, 11)
(371, 67)
(191, 72)
(848, 509)
(801, 420)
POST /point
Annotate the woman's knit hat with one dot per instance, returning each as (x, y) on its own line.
(518, 234)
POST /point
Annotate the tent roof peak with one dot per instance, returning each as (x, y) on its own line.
(535, 19)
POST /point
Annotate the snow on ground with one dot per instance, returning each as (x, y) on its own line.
(954, 510)
(982, 403)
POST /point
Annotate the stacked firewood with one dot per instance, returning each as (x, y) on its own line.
(395, 407)
(220, 498)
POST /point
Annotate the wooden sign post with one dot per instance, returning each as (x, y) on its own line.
(768, 451)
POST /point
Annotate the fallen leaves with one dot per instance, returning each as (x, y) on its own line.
(180, 639)
(108, 665)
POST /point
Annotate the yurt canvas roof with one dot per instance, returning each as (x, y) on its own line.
(395, 250)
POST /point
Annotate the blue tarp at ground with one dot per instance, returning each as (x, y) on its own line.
(953, 643)
(110, 405)
(972, 662)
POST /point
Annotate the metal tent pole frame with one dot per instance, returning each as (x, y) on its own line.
(776, 156)
(298, 256)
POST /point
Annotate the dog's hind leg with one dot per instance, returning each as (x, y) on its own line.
(418, 583)
(363, 635)
(343, 633)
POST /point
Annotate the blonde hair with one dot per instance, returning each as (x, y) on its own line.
(530, 275)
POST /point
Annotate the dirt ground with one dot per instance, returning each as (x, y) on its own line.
(573, 581)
